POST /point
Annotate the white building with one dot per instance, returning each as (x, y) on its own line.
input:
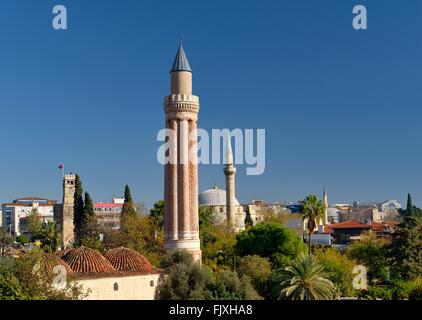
(109, 213)
(14, 213)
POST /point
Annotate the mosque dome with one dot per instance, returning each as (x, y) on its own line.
(124, 259)
(50, 261)
(86, 260)
(214, 197)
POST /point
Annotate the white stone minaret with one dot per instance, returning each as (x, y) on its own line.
(230, 172)
(325, 204)
(181, 226)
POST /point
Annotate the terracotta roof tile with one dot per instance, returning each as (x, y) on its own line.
(50, 261)
(86, 260)
(350, 224)
(124, 259)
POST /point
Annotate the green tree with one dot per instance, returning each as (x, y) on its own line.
(34, 224)
(22, 239)
(305, 279)
(271, 240)
(372, 252)
(409, 207)
(10, 287)
(313, 211)
(258, 269)
(138, 232)
(157, 214)
(186, 280)
(6, 239)
(339, 268)
(33, 280)
(50, 237)
(415, 292)
(228, 286)
(405, 248)
(172, 257)
(129, 209)
(89, 232)
(205, 217)
(218, 246)
(78, 218)
(248, 221)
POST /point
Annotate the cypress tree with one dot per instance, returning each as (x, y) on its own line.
(88, 207)
(78, 215)
(128, 209)
(409, 208)
(89, 231)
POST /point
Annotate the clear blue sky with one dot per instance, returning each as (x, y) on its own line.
(342, 108)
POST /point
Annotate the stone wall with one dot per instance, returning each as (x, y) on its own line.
(138, 287)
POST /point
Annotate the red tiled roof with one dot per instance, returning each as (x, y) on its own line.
(350, 224)
(375, 226)
(124, 259)
(50, 261)
(85, 263)
(87, 260)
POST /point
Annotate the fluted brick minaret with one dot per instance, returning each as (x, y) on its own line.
(181, 226)
(230, 172)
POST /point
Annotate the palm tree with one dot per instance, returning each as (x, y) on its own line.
(51, 237)
(313, 211)
(305, 279)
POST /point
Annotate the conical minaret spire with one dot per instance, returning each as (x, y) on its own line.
(325, 204)
(180, 62)
(230, 172)
(229, 151)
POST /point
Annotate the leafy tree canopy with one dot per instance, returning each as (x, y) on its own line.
(258, 269)
(405, 248)
(271, 240)
(372, 252)
(339, 268)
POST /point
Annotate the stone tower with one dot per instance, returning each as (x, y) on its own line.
(68, 209)
(230, 172)
(181, 225)
(325, 204)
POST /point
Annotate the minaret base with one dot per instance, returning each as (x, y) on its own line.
(191, 245)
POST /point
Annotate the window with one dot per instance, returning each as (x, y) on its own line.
(116, 286)
(151, 284)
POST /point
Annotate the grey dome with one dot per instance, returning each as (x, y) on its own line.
(214, 197)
